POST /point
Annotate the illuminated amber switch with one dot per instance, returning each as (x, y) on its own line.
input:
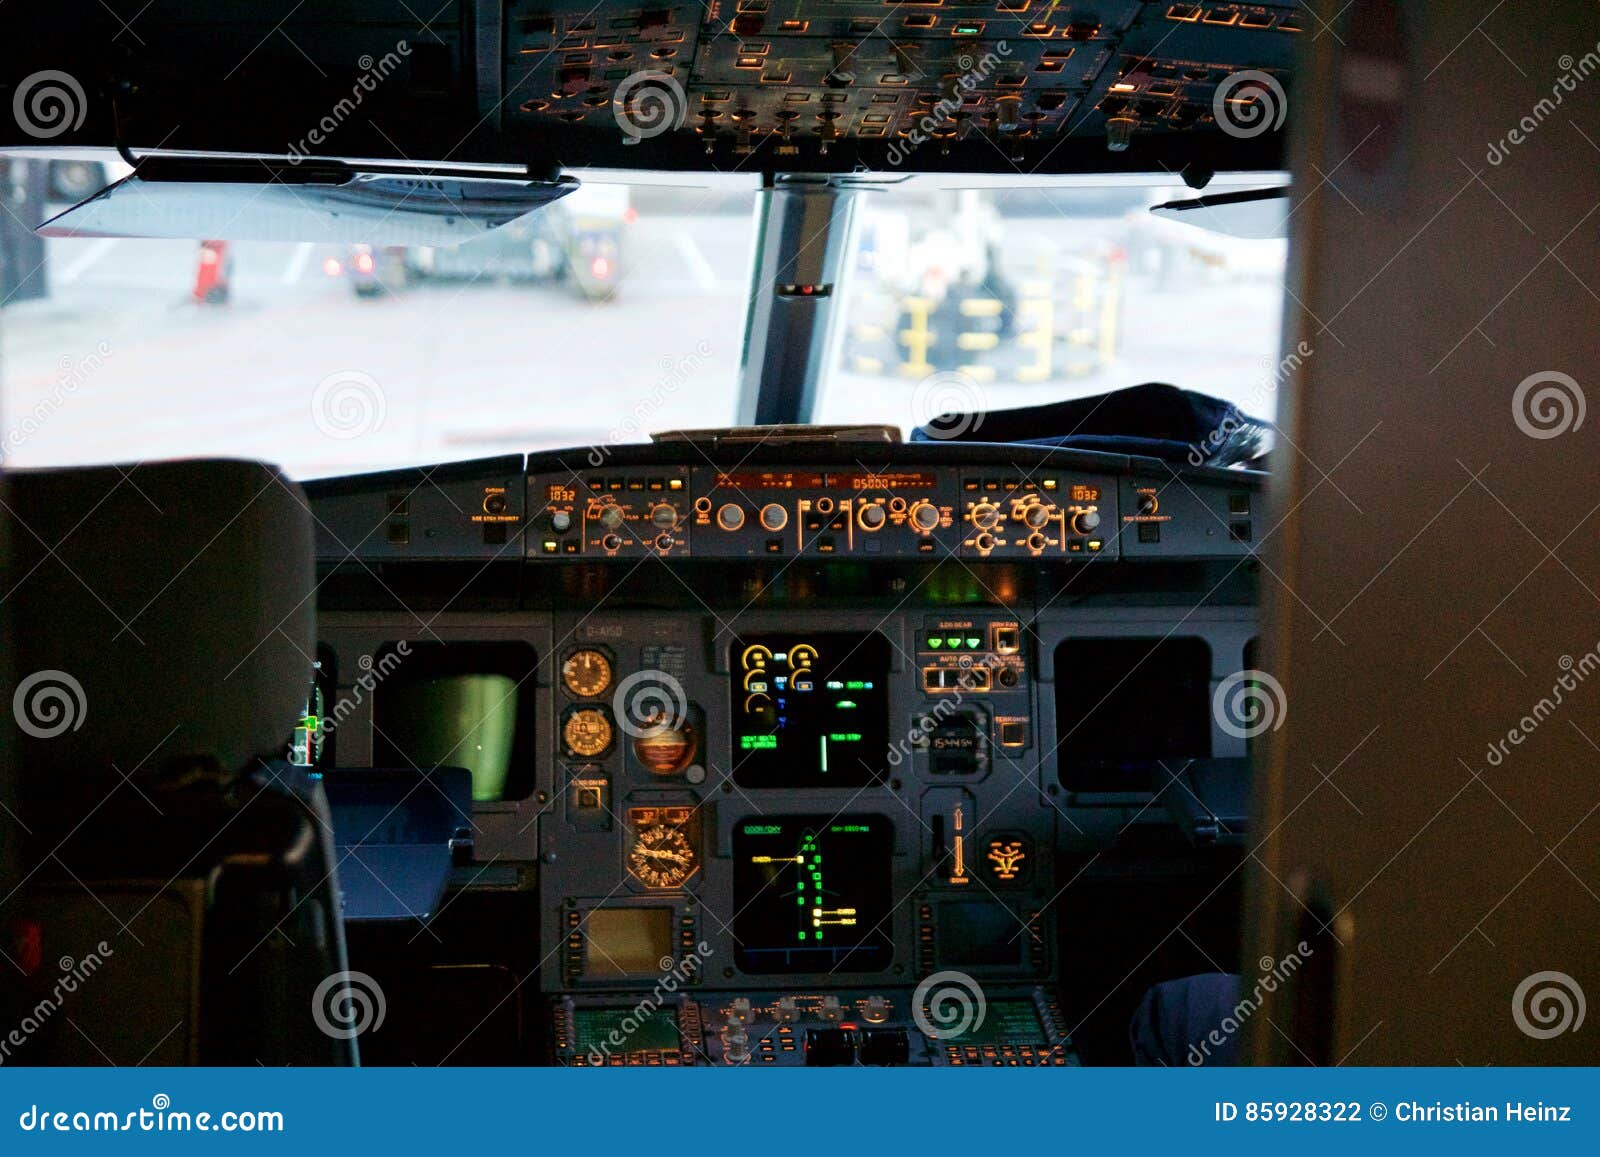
(1005, 858)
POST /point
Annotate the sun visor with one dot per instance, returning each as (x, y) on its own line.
(253, 200)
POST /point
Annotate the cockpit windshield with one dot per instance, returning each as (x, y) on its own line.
(615, 313)
(974, 300)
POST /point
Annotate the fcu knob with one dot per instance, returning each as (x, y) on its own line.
(1085, 521)
(985, 516)
(611, 517)
(1038, 515)
(924, 516)
(561, 522)
(872, 516)
(774, 517)
(730, 516)
(665, 516)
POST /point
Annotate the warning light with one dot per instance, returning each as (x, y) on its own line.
(332, 267)
(364, 263)
(601, 267)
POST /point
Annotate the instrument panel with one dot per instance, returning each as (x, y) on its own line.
(771, 813)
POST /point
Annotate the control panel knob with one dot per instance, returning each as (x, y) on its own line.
(1038, 515)
(665, 516)
(1085, 521)
(611, 517)
(872, 516)
(877, 1010)
(561, 521)
(774, 516)
(925, 516)
(830, 1009)
(730, 516)
(736, 1046)
(1149, 503)
(612, 542)
(985, 516)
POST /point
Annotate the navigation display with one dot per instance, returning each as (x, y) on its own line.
(810, 710)
(813, 893)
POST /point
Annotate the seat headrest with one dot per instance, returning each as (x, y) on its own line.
(160, 610)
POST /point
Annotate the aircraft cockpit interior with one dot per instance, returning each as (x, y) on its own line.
(766, 534)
